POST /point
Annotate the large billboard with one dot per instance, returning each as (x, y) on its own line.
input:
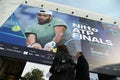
(97, 40)
(100, 43)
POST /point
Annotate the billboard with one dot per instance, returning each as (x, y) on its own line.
(100, 43)
(97, 40)
(14, 34)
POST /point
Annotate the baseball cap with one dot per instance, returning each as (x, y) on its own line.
(45, 12)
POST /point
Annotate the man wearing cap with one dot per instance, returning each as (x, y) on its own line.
(48, 32)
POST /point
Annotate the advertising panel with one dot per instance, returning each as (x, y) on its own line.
(100, 43)
(24, 21)
(27, 33)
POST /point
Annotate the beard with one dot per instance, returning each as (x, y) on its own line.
(41, 22)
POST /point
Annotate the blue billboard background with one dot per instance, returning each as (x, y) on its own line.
(97, 40)
(102, 47)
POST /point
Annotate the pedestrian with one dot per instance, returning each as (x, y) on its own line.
(63, 67)
(82, 67)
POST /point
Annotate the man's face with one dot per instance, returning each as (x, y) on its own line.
(44, 18)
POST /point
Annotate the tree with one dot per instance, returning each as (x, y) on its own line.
(35, 74)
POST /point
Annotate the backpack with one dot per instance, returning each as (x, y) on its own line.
(64, 62)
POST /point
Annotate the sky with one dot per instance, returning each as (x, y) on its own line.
(106, 7)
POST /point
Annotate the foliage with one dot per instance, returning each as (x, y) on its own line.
(35, 74)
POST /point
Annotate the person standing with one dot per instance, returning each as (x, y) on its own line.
(63, 67)
(82, 67)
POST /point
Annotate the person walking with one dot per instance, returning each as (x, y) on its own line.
(63, 66)
(82, 67)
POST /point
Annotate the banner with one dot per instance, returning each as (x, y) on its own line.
(29, 31)
(100, 43)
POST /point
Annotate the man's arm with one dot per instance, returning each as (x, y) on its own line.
(31, 41)
(59, 33)
(31, 38)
